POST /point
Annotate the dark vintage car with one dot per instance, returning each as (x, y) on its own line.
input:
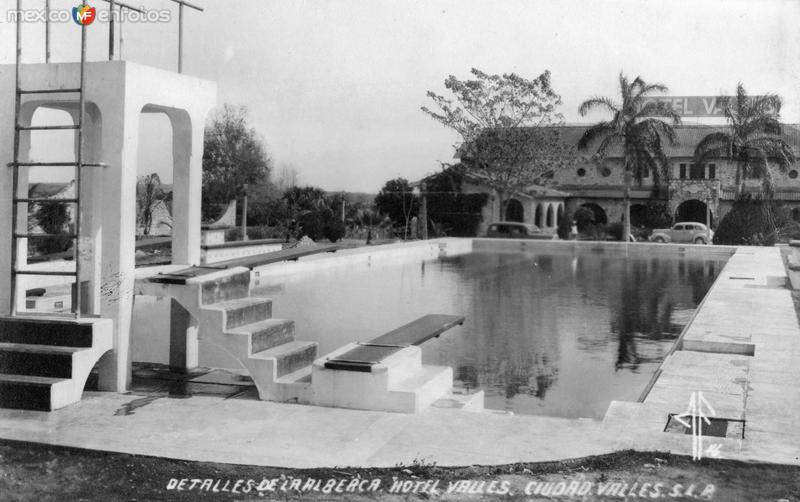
(685, 232)
(516, 230)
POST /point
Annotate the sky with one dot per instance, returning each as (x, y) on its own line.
(334, 87)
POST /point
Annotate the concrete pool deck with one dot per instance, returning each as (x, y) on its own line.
(749, 310)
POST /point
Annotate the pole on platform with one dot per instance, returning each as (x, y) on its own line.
(244, 213)
(111, 30)
(181, 3)
(423, 211)
(47, 31)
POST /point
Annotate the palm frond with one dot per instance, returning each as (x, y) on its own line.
(775, 149)
(597, 102)
(714, 145)
(601, 129)
(660, 109)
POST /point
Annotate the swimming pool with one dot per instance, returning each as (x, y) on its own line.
(546, 333)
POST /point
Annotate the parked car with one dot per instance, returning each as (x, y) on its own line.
(685, 231)
(516, 230)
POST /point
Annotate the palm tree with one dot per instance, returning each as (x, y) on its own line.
(633, 125)
(752, 138)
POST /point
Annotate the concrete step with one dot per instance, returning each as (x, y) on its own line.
(303, 375)
(243, 311)
(45, 331)
(27, 392)
(290, 357)
(232, 287)
(466, 402)
(421, 389)
(267, 334)
(37, 360)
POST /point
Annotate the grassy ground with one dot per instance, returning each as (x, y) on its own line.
(44, 473)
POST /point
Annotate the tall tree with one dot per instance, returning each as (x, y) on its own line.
(637, 124)
(751, 140)
(504, 126)
(396, 200)
(148, 195)
(234, 155)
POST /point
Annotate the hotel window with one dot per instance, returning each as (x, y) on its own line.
(696, 172)
(712, 171)
(682, 171)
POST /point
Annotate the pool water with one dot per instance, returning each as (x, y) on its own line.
(545, 334)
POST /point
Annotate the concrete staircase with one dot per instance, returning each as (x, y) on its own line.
(44, 362)
(400, 383)
(243, 327)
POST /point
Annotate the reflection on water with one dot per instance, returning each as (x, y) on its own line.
(559, 335)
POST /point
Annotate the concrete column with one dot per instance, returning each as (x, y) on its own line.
(183, 346)
(6, 193)
(91, 197)
(120, 137)
(26, 117)
(187, 155)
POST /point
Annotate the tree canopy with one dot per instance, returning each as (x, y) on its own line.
(397, 201)
(752, 139)
(234, 155)
(503, 123)
(638, 125)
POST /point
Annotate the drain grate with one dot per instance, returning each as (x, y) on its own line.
(742, 278)
(717, 427)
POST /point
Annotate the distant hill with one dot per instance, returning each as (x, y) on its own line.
(356, 197)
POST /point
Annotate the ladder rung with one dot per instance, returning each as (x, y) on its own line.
(48, 91)
(28, 236)
(45, 199)
(47, 128)
(44, 272)
(56, 164)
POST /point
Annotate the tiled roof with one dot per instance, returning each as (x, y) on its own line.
(688, 136)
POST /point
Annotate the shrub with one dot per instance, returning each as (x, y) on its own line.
(614, 230)
(564, 226)
(312, 224)
(50, 245)
(584, 217)
(751, 222)
(233, 234)
(333, 230)
(657, 216)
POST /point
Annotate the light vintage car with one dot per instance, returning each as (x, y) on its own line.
(516, 230)
(684, 232)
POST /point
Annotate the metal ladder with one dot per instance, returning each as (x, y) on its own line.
(78, 164)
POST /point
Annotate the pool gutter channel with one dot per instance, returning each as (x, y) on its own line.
(679, 341)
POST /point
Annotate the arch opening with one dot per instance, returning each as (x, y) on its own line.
(514, 211)
(600, 217)
(694, 210)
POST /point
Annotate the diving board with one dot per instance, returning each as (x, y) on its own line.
(182, 275)
(277, 256)
(366, 355)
